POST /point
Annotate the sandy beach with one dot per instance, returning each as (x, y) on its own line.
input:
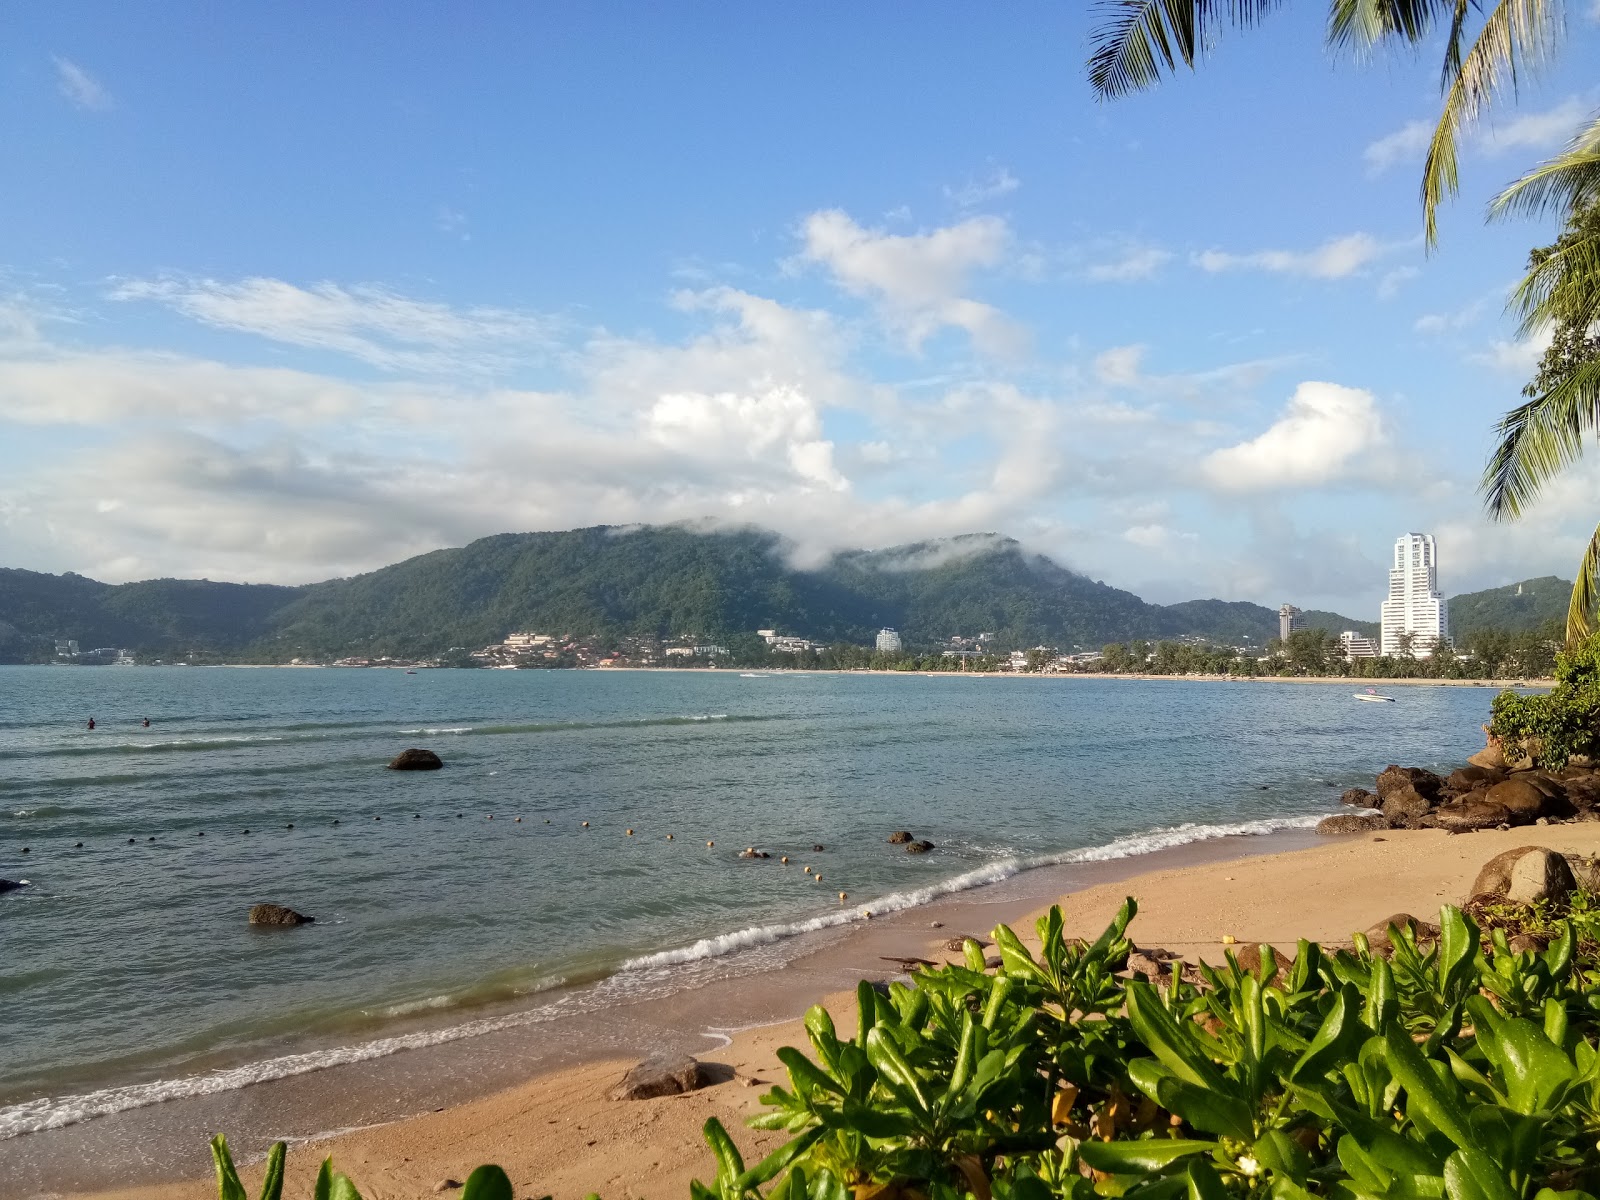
(558, 1134)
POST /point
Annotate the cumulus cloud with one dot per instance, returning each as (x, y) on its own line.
(1326, 433)
(918, 281)
(1403, 145)
(80, 87)
(1519, 356)
(373, 324)
(1334, 259)
(1535, 130)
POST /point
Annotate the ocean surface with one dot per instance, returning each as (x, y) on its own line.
(128, 974)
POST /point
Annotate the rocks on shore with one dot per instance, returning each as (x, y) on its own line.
(277, 914)
(1484, 794)
(1525, 875)
(661, 1075)
(416, 760)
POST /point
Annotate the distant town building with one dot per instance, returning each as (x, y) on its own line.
(527, 641)
(66, 648)
(888, 642)
(1354, 645)
(1290, 618)
(680, 651)
(1415, 605)
(710, 651)
(784, 644)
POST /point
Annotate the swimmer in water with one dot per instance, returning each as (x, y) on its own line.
(91, 722)
(147, 722)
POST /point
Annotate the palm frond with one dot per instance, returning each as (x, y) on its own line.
(1566, 183)
(1516, 34)
(1585, 591)
(1540, 439)
(1133, 43)
(1564, 287)
(1361, 24)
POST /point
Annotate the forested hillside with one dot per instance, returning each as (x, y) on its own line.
(611, 582)
(1513, 608)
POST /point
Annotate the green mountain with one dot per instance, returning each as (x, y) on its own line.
(611, 582)
(1514, 608)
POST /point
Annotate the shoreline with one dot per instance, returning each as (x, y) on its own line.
(555, 1132)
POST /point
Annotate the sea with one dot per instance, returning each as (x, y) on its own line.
(581, 845)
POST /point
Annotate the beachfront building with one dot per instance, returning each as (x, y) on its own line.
(1354, 646)
(1290, 618)
(1415, 608)
(888, 642)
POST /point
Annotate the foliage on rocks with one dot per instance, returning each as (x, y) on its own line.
(1553, 727)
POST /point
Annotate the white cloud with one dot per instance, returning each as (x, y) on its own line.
(453, 221)
(1156, 536)
(1519, 357)
(998, 182)
(1446, 322)
(1334, 259)
(80, 87)
(1119, 366)
(918, 280)
(1327, 433)
(1391, 283)
(1403, 145)
(1140, 262)
(1535, 130)
(370, 323)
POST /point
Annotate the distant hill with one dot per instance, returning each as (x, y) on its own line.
(657, 581)
(1514, 608)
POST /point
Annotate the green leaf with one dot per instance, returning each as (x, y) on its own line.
(228, 1185)
(1472, 1175)
(866, 1011)
(730, 1163)
(1213, 1110)
(1281, 1154)
(892, 1066)
(487, 1182)
(272, 1181)
(1203, 1182)
(1424, 1088)
(1166, 1039)
(343, 1188)
(324, 1186)
(1533, 1073)
(1458, 953)
(807, 1077)
(1338, 1038)
(1149, 1156)
(774, 1164)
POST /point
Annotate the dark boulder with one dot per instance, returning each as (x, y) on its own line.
(1393, 778)
(1366, 822)
(1378, 937)
(1359, 798)
(1472, 812)
(661, 1075)
(277, 914)
(416, 760)
(1251, 961)
(918, 847)
(11, 885)
(818, 848)
(1405, 804)
(1466, 779)
(1522, 798)
(899, 838)
(1545, 872)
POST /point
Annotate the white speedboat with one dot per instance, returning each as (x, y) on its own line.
(1373, 697)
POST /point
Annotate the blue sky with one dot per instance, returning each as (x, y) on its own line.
(290, 298)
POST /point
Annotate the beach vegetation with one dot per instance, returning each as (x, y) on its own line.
(1445, 1065)
(1553, 727)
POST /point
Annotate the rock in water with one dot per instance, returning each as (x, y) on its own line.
(1540, 875)
(1367, 822)
(918, 847)
(660, 1075)
(277, 914)
(11, 885)
(1359, 798)
(1393, 778)
(416, 760)
(1405, 803)
(899, 838)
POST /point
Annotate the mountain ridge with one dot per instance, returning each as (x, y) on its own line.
(610, 581)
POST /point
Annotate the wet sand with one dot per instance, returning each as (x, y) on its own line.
(536, 1102)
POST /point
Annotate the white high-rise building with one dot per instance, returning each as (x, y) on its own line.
(1415, 604)
(888, 642)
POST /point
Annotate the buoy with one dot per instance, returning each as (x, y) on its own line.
(808, 870)
(290, 825)
(202, 833)
(843, 897)
(710, 844)
(586, 824)
(818, 877)
(130, 840)
(784, 859)
(416, 816)
(24, 849)
(336, 820)
(151, 839)
(491, 816)
(866, 914)
(669, 837)
(377, 818)
(519, 821)
(547, 820)
(79, 846)
(630, 833)
(247, 831)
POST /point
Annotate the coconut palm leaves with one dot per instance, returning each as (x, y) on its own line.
(1136, 42)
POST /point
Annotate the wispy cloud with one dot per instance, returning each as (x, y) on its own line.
(1334, 259)
(981, 189)
(453, 221)
(1403, 145)
(1391, 283)
(369, 323)
(80, 87)
(1535, 130)
(1139, 262)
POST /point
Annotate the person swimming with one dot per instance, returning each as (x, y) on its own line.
(147, 722)
(91, 722)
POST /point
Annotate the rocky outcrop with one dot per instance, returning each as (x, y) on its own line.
(661, 1075)
(1394, 779)
(1366, 822)
(1359, 798)
(1525, 875)
(1403, 805)
(1471, 813)
(416, 760)
(277, 914)
(899, 838)
(1382, 941)
(921, 847)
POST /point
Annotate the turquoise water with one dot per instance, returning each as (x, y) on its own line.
(129, 961)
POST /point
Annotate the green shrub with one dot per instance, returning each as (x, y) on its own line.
(1553, 727)
(1457, 1070)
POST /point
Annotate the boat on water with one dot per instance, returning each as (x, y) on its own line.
(1372, 697)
